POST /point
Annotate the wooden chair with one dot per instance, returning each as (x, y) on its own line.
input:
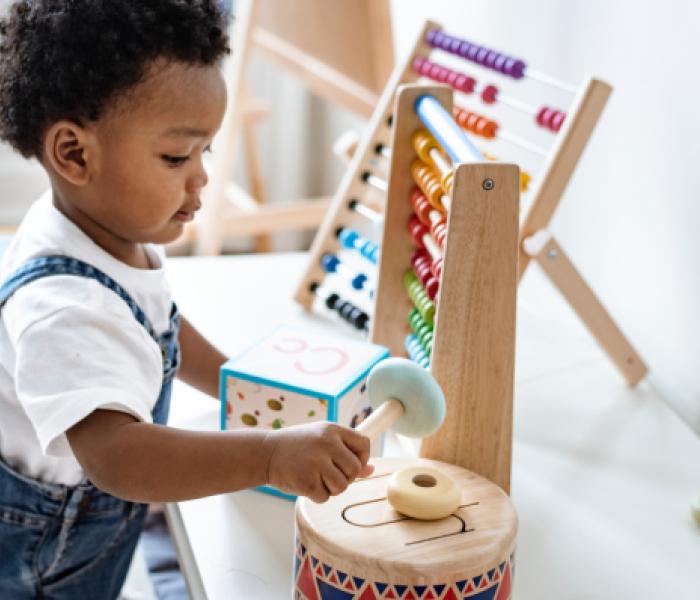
(340, 50)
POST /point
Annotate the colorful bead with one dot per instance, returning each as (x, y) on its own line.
(550, 118)
(348, 311)
(422, 330)
(352, 240)
(423, 143)
(422, 267)
(429, 183)
(489, 94)
(421, 206)
(332, 264)
(491, 59)
(418, 297)
(475, 123)
(416, 352)
(432, 70)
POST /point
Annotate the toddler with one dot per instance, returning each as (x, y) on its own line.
(118, 100)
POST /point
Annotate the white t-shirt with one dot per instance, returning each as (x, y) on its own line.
(70, 345)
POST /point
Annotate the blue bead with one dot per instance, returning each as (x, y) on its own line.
(329, 263)
(358, 281)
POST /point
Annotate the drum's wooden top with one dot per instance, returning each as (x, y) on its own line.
(361, 531)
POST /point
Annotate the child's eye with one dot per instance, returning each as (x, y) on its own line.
(174, 161)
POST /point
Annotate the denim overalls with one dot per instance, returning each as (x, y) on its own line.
(59, 541)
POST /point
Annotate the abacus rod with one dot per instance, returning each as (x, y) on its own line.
(383, 150)
(548, 79)
(444, 129)
(505, 99)
(518, 141)
(517, 104)
(368, 213)
(375, 181)
(441, 164)
(432, 246)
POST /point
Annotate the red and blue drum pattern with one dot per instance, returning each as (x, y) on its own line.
(315, 580)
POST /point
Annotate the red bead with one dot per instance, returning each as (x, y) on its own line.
(489, 94)
(557, 121)
(437, 268)
(543, 116)
(418, 63)
(432, 287)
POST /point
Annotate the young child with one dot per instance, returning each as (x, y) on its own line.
(119, 101)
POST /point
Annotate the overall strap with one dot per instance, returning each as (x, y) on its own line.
(47, 266)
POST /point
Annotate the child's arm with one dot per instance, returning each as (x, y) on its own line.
(200, 360)
(151, 463)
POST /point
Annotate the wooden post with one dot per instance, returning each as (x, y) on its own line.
(474, 333)
(576, 131)
(556, 264)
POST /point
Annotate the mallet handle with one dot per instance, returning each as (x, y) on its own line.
(381, 419)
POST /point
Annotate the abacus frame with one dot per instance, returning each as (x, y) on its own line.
(564, 155)
(473, 350)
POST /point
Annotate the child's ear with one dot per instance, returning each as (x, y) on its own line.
(70, 149)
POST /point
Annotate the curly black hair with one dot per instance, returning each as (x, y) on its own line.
(66, 59)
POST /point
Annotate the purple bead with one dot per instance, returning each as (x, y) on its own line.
(437, 38)
(430, 36)
(454, 45)
(481, 55)
(491, 58)
(445, 43)
(517, 70)
(499, 65)
(472, 52)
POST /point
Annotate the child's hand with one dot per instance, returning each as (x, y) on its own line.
(317, 460)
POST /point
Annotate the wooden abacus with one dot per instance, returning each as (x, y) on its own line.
(362, 192)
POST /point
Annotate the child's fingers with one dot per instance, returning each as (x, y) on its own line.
(358, 443)
(334, 480)
(347, 461)
(365, 471)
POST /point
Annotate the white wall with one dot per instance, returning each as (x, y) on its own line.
(631, 215)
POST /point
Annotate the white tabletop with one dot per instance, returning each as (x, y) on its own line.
(602, 479)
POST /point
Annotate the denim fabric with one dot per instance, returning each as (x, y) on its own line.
(61, 542)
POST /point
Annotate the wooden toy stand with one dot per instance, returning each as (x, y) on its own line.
(474, 333)
(342, 51)
(551, 183)
(357, 544)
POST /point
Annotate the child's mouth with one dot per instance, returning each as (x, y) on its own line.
(184, 215)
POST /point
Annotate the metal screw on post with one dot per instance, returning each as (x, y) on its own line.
(552, 254)
(488, 184)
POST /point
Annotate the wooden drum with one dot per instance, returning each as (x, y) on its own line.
(357, 546)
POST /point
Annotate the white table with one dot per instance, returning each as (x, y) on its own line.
(602, 475)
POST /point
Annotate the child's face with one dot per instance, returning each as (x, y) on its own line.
(148, 172)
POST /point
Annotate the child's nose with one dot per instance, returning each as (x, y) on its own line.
(198, 179)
